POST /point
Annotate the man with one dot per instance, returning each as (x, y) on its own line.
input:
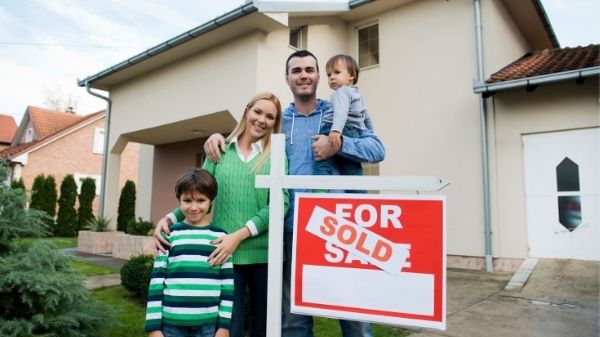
(304, 145)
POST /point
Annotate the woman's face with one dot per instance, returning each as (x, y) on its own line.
(260, 119)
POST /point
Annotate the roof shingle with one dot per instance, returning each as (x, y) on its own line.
(8, 127)
(549, 61)
(47, 122)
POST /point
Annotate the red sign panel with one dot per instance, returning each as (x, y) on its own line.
(377, 258)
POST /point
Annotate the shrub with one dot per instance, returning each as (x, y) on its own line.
(135, 274)
(126, 210)
(40, 293)
(97, 224)
(17, 184)
(67, 217)
(50, 199)
(38, 190)
(140, 227)
(86, 201)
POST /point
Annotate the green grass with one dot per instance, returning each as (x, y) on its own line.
(59, 242)
(88, 269)
(331, 328)
(128, 310)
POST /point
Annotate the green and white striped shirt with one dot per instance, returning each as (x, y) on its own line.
(184, 289)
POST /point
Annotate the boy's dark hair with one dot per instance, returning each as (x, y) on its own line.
(196, 181)
(300, 53)
(349, 61)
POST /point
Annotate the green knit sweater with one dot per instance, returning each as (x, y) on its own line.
(238, 200)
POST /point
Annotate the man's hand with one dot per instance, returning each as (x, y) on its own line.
(214, 146)
(322, 149)
(159, 241)
(156, 333)
(335, 139)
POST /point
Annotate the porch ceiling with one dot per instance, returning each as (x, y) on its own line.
(188, 129)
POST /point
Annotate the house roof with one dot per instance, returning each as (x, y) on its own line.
(8, 127)
(47, 122)
(548, 65)
(244, 18)
(19, 149)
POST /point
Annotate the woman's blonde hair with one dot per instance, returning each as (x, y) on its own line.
(240, 128)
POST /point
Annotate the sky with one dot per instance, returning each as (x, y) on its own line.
(47, 45)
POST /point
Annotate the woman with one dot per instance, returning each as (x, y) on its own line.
(243, 210)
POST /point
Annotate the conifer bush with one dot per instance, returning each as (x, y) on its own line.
(40, 293)
(135, 274)
(66, 221)
(50, 199)
(85, 212)
(17, 184)
(126, 210)
(38, 191)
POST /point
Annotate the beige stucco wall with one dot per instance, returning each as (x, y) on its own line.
(420, 97)
(550, 108)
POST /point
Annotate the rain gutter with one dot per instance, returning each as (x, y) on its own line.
(105, 145)
(579, 74)
(489, 267)
(174, 42)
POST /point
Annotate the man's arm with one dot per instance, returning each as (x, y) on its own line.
(365, 149)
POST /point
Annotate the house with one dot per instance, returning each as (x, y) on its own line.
(8, 127)
(424, 66)
(59, 143)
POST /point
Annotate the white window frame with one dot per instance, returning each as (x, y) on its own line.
(98, 146)
(29, 135)
(301, 37)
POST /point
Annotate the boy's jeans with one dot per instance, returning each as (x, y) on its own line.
(293, 325)
(206, 330)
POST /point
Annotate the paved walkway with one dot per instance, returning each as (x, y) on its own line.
(545, 297)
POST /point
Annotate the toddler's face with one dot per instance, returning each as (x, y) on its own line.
(338, 76)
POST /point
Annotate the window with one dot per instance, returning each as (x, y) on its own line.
(296, 38)
(569, 199)
(368, 46)
(98, 141)
(79, 179)
(29, 136)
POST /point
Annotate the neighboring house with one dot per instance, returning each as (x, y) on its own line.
(8, 127)
(60, 143)
(421, 62)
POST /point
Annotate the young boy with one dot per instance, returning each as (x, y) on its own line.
(186, 296)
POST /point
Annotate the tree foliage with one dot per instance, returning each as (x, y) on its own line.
(66, 221)
(126, 210)
(85, 212)
(37, 192)
(17, 184)
(40, 293)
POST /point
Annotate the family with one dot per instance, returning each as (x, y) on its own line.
(213, 247)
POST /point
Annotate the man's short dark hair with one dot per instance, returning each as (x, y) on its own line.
(196, 181)
(300, 53)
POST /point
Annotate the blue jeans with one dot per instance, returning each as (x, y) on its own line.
(293, 325)
(254, 278)
(206, 330)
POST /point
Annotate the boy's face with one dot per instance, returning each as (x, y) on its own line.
(339, 76)
(302, 77)
(195, 207)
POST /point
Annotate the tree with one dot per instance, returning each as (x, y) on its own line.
(50, 198)
(126, 210)
(17, 184)
(86, 201)
(38, 190)
(67, 217)
(40, 293)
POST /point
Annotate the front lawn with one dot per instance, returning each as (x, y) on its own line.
(59, 242)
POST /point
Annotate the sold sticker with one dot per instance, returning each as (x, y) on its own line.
(359, 241)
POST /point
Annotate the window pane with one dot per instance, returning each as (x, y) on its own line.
(368, 46)
(569, 211)
(567, 176)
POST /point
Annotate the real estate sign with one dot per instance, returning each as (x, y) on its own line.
(368, 257)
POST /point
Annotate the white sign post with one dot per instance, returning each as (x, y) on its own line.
(277, 181)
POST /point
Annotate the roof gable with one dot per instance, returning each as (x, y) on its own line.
(47, 122)
(19, 149)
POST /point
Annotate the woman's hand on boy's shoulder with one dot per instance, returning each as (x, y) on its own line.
(159, 240)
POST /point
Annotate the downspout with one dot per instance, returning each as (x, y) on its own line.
(105, 151)
(489, 267)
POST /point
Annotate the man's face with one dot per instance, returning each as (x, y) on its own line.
(303, 77)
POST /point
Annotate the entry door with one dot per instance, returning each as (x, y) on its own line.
(562, 173)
